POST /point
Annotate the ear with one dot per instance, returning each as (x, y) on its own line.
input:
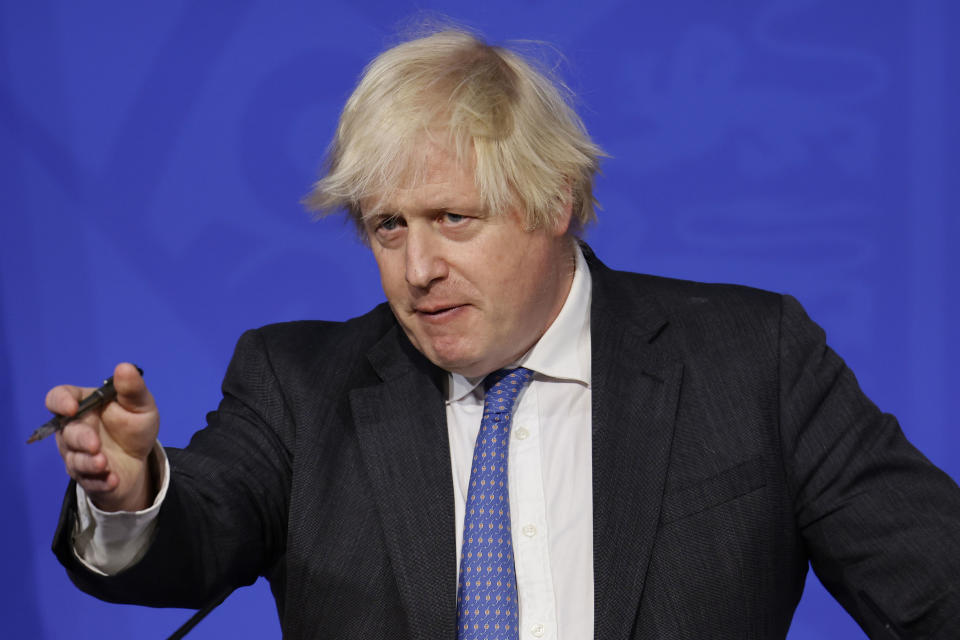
(565, 206)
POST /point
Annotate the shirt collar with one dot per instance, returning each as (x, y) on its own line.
(552, 355)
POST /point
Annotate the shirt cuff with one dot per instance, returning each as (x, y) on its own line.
(109, 542)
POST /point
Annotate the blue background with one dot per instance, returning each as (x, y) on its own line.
(152, 156)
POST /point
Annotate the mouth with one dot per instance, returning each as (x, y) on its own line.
(439, 313)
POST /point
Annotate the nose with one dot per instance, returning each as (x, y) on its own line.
(425, 262)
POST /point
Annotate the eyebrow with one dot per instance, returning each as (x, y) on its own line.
(455, 209)
(390, 212)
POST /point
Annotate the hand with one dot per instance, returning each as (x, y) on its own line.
(106, 451)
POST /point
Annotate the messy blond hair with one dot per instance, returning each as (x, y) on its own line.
(489, 105)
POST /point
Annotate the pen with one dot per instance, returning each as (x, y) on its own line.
(100, 396)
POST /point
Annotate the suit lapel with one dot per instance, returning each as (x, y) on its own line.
(401, 428)
(635, 392)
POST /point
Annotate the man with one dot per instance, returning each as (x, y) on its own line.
(667, 456)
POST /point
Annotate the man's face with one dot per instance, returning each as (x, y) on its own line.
(472, 291)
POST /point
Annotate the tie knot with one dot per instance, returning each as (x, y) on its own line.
(507, 378)
(502, 388)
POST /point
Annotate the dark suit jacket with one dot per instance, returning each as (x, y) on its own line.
(730, 447)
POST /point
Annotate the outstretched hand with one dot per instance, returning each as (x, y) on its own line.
(106, 450)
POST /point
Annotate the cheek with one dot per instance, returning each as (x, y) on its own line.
(519, 272)
(525, 289)
(391, 274)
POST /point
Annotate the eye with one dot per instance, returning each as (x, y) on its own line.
(453, 218)
(386, 228)
(389, 223)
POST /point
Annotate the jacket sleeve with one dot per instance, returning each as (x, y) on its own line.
(223, 522)
(881, 523)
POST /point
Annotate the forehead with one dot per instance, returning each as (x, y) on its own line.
(434, 179)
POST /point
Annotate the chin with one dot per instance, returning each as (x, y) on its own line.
(465, 362)
(453, 362)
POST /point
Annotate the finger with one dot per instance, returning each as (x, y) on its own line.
(132, 392)
(81, 465)
(98, 484)
(80, 436)
(64, 399)
(61, 445)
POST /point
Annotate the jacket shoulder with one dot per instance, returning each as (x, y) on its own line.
(297, 334)
(693, 304)
(318, 348)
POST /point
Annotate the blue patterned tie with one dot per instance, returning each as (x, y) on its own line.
(487, 595)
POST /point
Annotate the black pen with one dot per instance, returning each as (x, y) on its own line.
(100, 396)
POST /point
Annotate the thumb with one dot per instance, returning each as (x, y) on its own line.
(132, 392)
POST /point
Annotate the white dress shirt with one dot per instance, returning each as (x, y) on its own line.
(550, 469)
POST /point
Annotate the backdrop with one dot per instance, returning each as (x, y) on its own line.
(154, 153)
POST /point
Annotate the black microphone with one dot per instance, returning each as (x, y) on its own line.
(195, 619)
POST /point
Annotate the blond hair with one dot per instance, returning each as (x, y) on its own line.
(502, 117)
